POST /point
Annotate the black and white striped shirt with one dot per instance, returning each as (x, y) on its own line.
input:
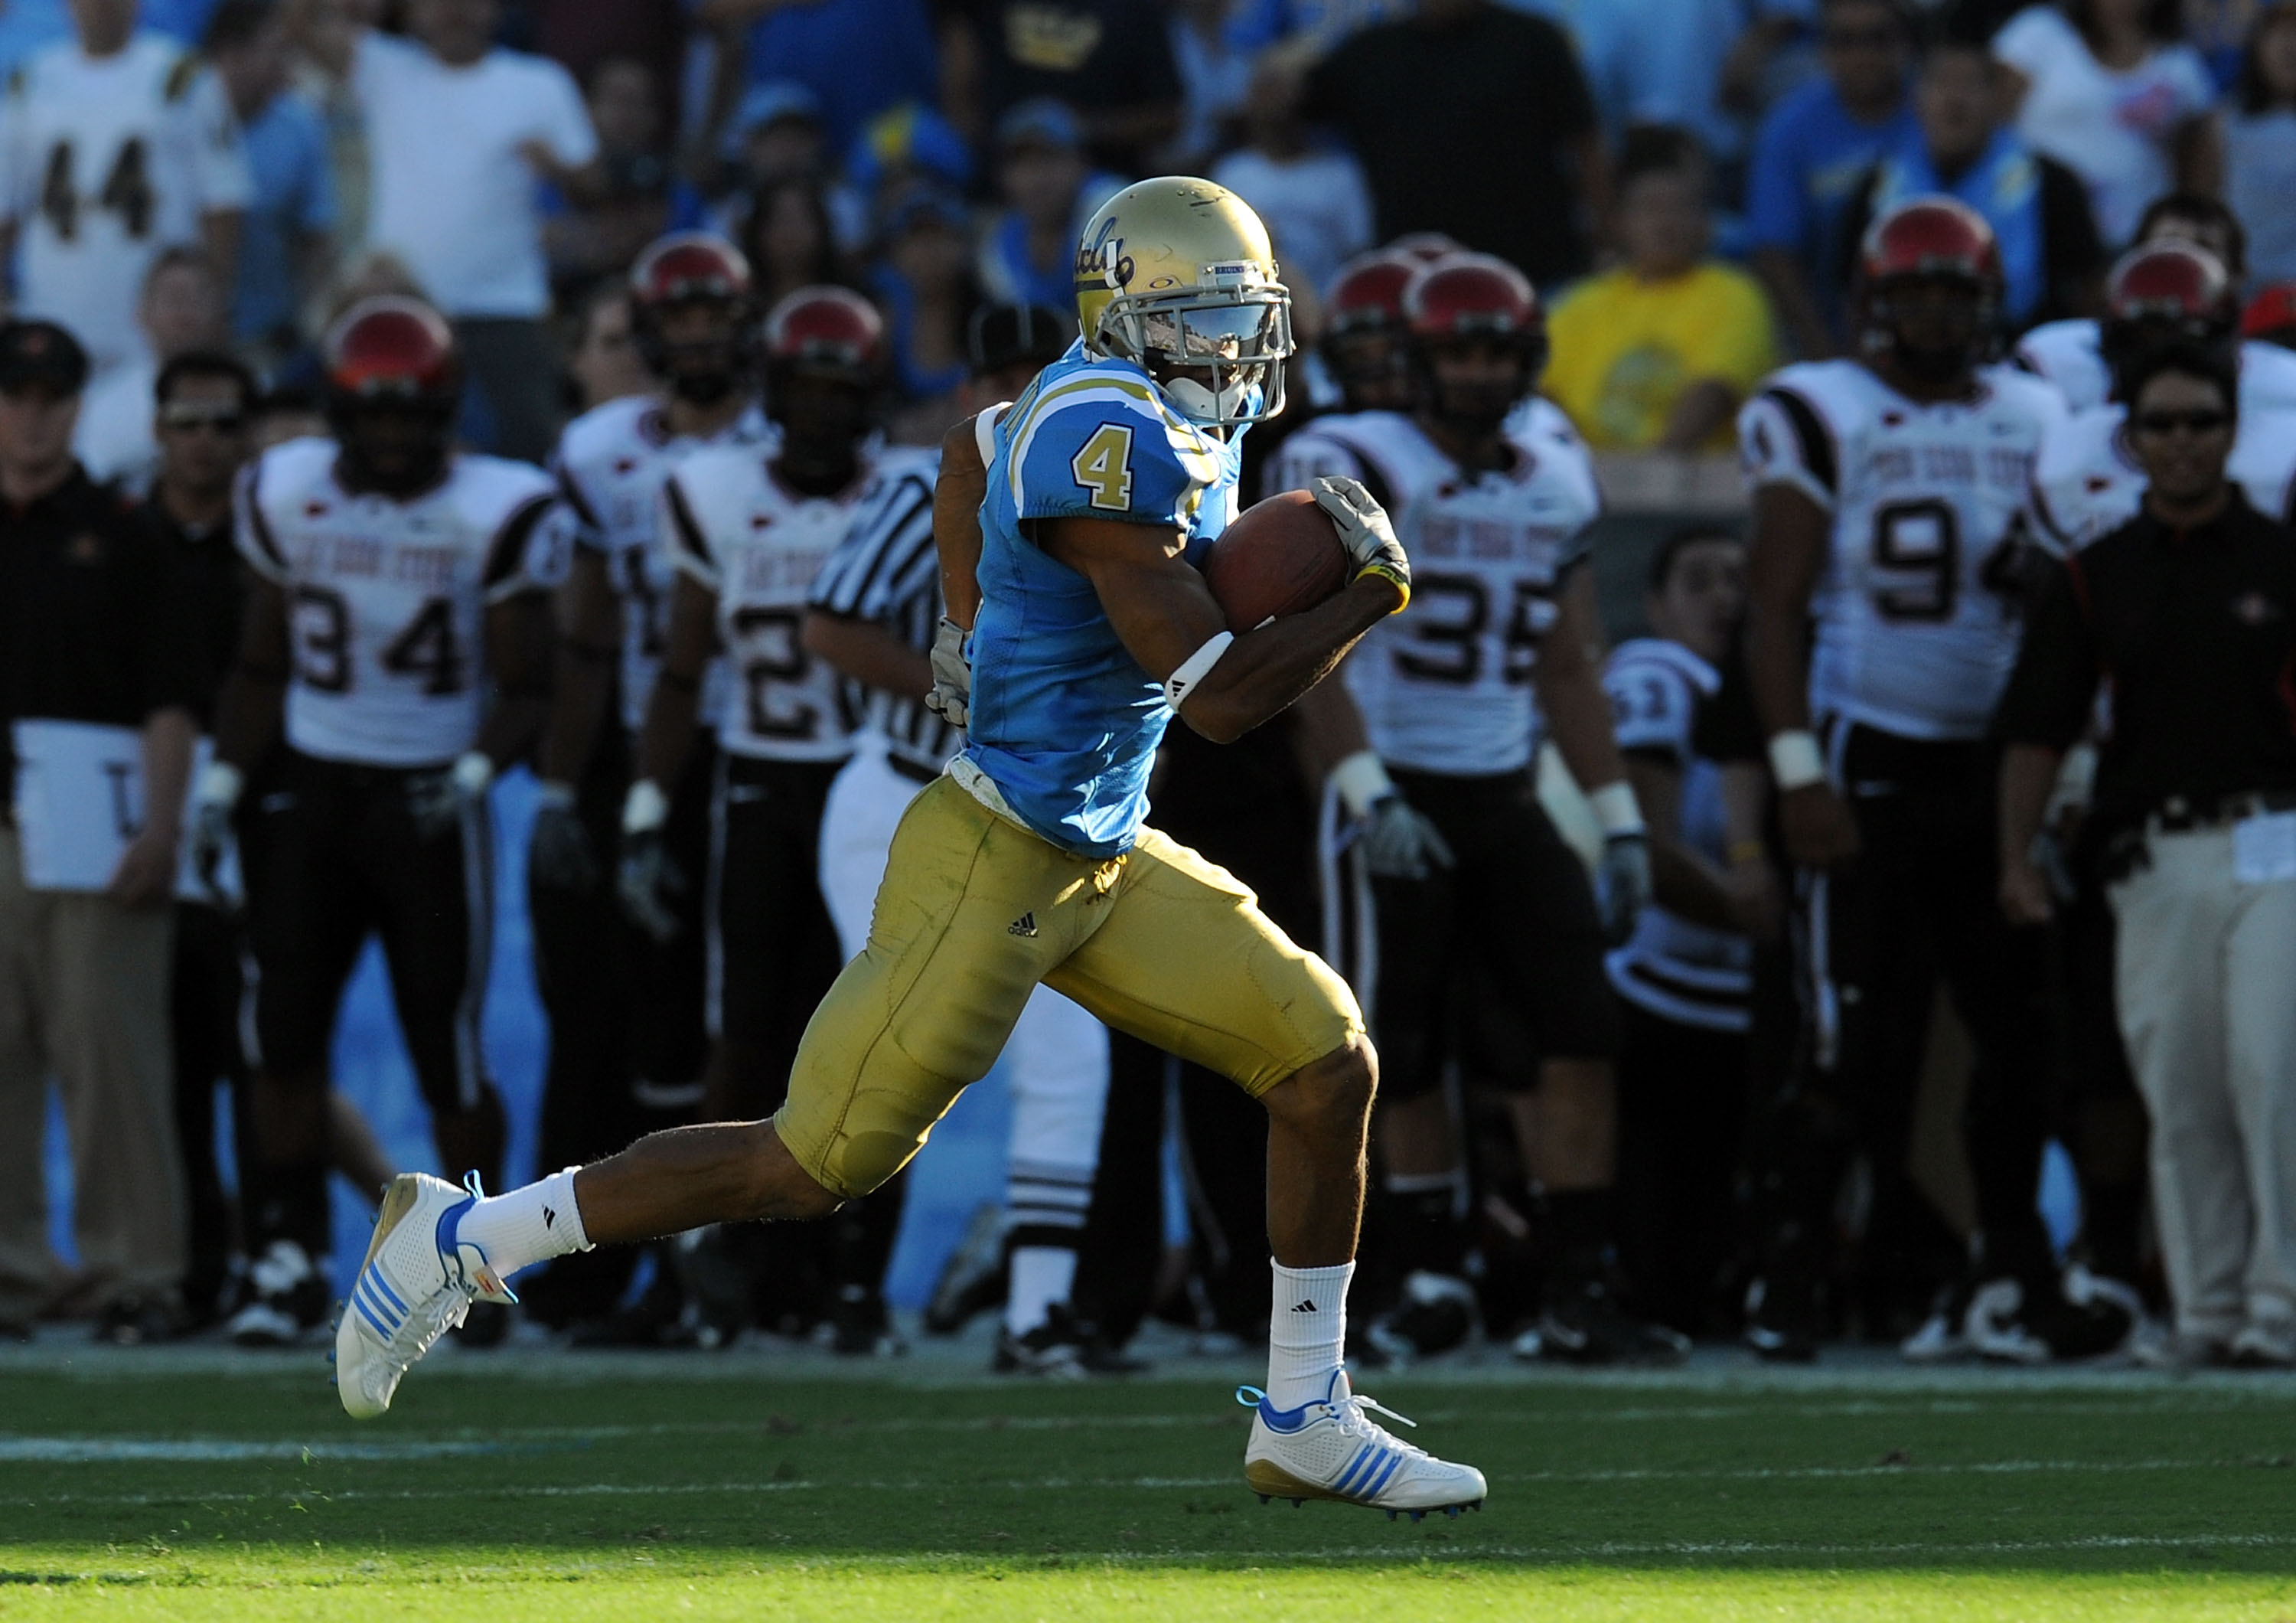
(886, 570)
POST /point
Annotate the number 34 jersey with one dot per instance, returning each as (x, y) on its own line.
(1444, 686)
(1916, 604)
(758, 545)
(387, 599)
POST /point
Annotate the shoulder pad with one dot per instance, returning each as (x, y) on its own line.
(601, 432)
(1099, 442)
(489, 488)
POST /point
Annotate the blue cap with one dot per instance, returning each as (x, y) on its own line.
(923, 204)
(1044, 120)
(769, 103)
(907, 136)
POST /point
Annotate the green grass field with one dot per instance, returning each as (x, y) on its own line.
(527, 1484)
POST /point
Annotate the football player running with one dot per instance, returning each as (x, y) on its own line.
(1030, 862)
(395, 583)
(629, 1043)
(1469, 873)
(1887, 492)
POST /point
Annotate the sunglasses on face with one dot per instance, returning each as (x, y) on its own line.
(2166, 422)
(215, 419)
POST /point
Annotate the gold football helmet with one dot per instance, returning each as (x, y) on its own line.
(1177, 273)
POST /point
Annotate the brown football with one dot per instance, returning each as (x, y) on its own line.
(1280, 556)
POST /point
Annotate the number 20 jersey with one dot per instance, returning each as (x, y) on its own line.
(387, 599)
(1915, 605)
(757, 544)
(1444, 686)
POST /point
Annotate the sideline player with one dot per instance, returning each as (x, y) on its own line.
(1468, 871)
(749, 528)
(625, 1004)
(396, 583)
(1887, 494)
(1030, 862)
(875, 608)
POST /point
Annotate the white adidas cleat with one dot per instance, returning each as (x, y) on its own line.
(417, 1284)
(1333, 1449)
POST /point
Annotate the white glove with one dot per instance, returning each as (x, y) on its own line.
(1399, 840)
(438, 800)
(1364, 531)
(559, 854)
(1622, 880)
(951, 697)
(648, 880)
(212, 837)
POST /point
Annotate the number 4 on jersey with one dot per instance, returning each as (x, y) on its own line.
(1104, 468)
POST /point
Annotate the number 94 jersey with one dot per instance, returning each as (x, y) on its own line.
(387, 597)
(757, 545)
(1917, 603)
(1444, 686)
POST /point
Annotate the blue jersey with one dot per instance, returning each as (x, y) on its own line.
(1064, 722)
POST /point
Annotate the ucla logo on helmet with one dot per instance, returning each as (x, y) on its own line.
(1103, 259)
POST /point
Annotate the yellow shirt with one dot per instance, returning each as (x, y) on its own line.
(1625, 350)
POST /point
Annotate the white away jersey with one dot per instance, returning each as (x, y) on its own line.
(1916, 605)
(387, 599)
(107, 160)
(758, 545)
(2068, 354)
(1445, 686)
(2085, 484)
(610, 463)
(1674, 967)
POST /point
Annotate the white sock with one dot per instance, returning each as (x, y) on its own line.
(527, 1226)
(1042, 1275)
(1307, 1332)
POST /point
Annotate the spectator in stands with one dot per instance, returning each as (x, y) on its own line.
(287, 243)
(1656, 354)
(117, 145)
(1810, 156)
(1216, 75)
(98, 663)
(1109, 60)
(1473, 120)
(2051, 260)
(606, 364)
(1700, 65)
(282, 415)
(2189, 612)
(2109, 89)
(924, 282)
(789, 240)
(639, 195)
(184, 308)
(858, 57)
(1028, 254)
(460, 134)
(1310, 195)
(776, 134)
(904, 147)
(2259, 136)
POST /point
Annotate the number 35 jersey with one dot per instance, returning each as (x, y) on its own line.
(1444, 686)
(758, 545)
(387, 599)
(1917, 603)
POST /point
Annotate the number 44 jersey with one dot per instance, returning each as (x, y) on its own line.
(387, 597)
(1917, 602)
(1445, 686)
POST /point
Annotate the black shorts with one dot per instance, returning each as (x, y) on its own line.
(773, 950)
(1497, 961)
(341, 858)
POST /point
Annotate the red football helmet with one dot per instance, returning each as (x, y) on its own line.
(2173, 282)
(396, 349)
(1926, 242)
(826, 329)
(685, 268)
(1367, 292)
(689, 265)
(1426, 247)
(1468, 298)
(1364, 326)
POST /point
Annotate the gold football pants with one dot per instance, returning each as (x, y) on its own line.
(975, 911)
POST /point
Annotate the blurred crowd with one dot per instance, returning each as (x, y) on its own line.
(193, 192)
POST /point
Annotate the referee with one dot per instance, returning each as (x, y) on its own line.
(2186, 617)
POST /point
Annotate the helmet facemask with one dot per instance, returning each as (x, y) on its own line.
(1217, 350)
(1935, 327)
(699, 370)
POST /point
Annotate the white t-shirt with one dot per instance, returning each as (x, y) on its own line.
(452, 198)
(114, 439)
(2112, 129)
(107, 160)
(1315, 206)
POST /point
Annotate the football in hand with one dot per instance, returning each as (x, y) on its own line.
(1280, 556)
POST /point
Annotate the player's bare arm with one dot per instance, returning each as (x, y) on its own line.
(1789, 547)
(588, 614)
(1164, 612)
(2028, 776)
(1681, 878)
(675, 703)
(868, 653)
(957, 496)
(518, 659)
(253, 698)
(1569, 681)
(146, 874)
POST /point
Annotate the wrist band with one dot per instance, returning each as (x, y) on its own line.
(1794, 760)
(553, 794)
(1362, 782)
(1194, 668)
(220, 783)
(1617, 809)
(646, 809)
(474, 771)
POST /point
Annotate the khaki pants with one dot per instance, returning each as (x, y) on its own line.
(2206, 978)
(83, 998)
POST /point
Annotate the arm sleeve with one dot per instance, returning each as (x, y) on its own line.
(1654, 706)
(1782, 440)
(216, 151)
(879, 565)
(1107, 455)
(2031, 41)
(2052, 691)
(565, 122)
(689, 548)
(531, 550)
(584, 526)
(250, 527)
